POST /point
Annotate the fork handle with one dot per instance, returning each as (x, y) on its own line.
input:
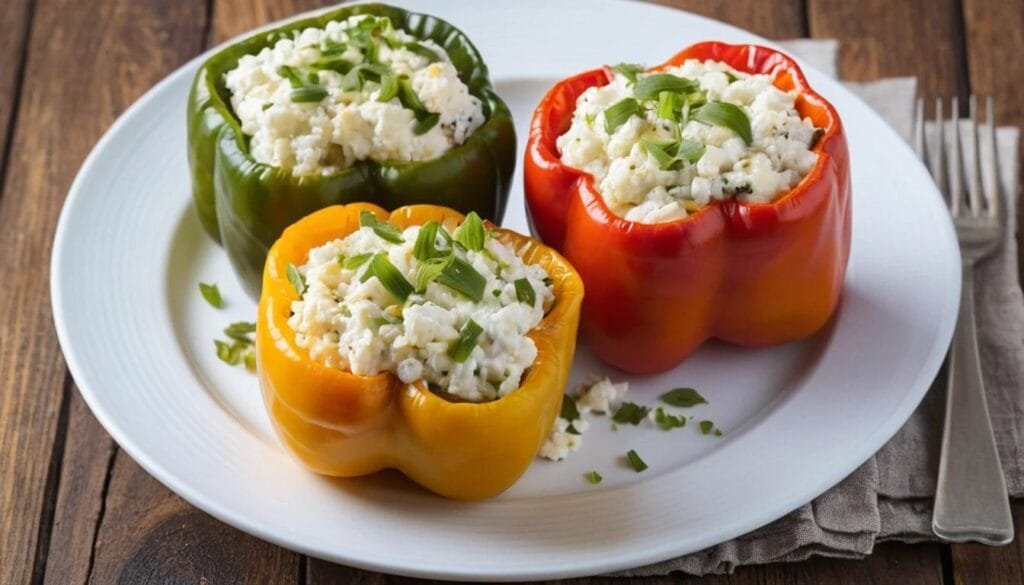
(971, 502)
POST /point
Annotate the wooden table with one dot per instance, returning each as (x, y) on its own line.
(74, 508)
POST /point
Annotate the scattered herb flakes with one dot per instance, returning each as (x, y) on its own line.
(240, 330)
(666, 421)
(211, 293)
(682, 397)
(467, 340)
(227, 352)
(295, 277)
(635, 461)
(630, 413)
(717, 433)
(592, 477)
(706, 427)
(615, 427)
(569, 410)
(250, 360)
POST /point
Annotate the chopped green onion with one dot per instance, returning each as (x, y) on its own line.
(353, 262)
(660, 153)
(308, 94)
(570, 411)
(628, 70)
(668, 421)
(464, 345)
(425, 123)
(332, 47)
(635, 461)
(229, 353)
(383, 229)
(407, 95)
(240, 331)
(592, 477)
(463, 279)
(336, 64)
(296, 278)
(423, 51)
(668, 106)
(430, 269)
(291, 74)
(682, 397)
(706, 426)
(426, 242)
(727, 115)
(732, 78)
(618, 113)
(717, 433)
(390, 277)
(630, 413)
(471, 233)
(572, 430)
(211, 293)
(649, 87)
(388, 88)
(690, 150)
(249, 358)
(525, 292)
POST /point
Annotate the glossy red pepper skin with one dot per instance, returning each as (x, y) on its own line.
(749, 274)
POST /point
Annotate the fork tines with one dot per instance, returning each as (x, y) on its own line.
(948, 157)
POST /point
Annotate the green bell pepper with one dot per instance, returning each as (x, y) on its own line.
(245, 205)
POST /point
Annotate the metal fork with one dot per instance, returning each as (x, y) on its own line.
(971, 502)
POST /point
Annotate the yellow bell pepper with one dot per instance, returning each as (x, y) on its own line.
(341, 424)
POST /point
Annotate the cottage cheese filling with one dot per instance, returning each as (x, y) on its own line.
(354, 90)
(350, 318)
(660, 150)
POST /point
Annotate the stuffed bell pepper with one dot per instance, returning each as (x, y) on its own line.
(362, 103)
(420, 340)
(707, 197)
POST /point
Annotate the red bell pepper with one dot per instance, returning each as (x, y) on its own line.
(749, 274)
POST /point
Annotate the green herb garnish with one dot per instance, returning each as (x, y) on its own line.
(389, 276)
(388, 88)
(471, 233)
(425, 122)
(592, 477)
(671, 155)
(353, 262)
(706, 426)
(570, 411)
(649, 87)
(682, 397)
(429, 270)
(295, 277)
(240, 331)
(628, 70)
(635, 461)
(464, 345)
(525, 292)
(667, 421)
(463, 279)
(211, 293)
(668, 106)
(308, 94)
(631, 413)
(618, 113)
(291, 74)
(727, 115)
(383, 229)
(425, 247)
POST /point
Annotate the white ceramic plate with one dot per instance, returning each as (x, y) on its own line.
(797, 418)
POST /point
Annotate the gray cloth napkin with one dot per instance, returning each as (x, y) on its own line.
(889, 497)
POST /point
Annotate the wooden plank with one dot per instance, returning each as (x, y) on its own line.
(52, 135)
(149, 535)
(782, 19)
(881, 38)
(234, 17)
(86, 462)
(15, 19)
(1004, 565)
